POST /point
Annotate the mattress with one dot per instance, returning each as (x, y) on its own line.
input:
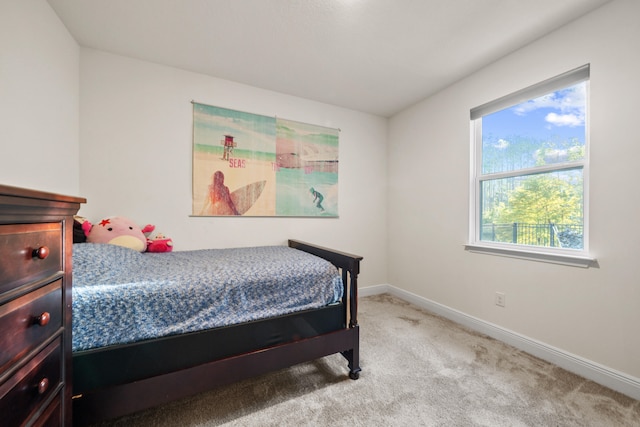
(122, 296)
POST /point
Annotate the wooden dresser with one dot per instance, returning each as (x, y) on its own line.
(36, 238)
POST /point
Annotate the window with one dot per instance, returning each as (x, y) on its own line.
(530, 171)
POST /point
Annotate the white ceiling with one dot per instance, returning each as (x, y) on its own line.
(375, 56)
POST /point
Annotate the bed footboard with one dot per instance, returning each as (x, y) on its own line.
(349, 265)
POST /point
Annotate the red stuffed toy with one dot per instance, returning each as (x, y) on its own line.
(160, 243)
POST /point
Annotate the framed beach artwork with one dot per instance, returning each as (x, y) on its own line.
(247, 164)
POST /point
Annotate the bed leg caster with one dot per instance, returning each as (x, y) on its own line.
(354, 375)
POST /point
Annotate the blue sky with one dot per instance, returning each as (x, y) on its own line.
(557, 116)
(251, 131)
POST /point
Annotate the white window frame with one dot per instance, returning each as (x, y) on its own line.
(565, 256)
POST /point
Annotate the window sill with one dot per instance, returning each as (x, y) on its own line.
(553, 258)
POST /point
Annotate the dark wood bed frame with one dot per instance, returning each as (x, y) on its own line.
(120, 380)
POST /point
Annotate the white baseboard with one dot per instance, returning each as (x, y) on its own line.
(600, 374)
(374, 290)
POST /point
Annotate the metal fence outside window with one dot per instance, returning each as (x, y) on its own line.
(550, 235)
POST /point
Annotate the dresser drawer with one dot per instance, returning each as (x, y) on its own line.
(23, 394)
(28, 252)
(28, 321)
(52, 416)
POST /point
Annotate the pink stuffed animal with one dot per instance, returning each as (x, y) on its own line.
(159, 243)
(119, 231)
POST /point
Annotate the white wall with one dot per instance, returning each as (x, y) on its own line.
(136, 155)
(39, 74)
(591, 313)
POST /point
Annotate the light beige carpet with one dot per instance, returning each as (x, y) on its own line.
(418, 370)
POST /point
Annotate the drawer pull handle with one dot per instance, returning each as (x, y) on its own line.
(43, 319)
(41, 253)
(43, 386)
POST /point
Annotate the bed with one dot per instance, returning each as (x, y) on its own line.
(267, 313)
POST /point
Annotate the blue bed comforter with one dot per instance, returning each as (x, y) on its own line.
(123, 296)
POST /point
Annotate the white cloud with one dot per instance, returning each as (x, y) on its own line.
(564, 119)
(546, 101)
(569, 103)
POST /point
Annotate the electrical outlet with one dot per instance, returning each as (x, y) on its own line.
(501, 299)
